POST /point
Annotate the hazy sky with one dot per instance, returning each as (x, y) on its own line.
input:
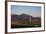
(30, 10)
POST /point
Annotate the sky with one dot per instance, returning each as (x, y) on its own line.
(34, 11)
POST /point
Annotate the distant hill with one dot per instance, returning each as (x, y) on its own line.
(22, 16)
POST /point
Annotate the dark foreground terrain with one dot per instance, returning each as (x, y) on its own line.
(24, 26)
